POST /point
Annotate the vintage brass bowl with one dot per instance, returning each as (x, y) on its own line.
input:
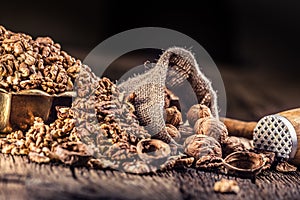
(18, 109)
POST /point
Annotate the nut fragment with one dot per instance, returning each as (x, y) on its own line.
(226, 186)
(18, 48)
(178, 161)
(285, 167)
(209, 162)
(72, 153)
(38, 157)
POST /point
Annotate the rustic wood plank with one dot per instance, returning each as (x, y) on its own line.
(21, 179)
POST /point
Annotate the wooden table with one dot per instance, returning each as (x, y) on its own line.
(21, 179)
(251, 94)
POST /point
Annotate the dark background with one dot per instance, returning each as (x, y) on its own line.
(247, 33)
(250, 34)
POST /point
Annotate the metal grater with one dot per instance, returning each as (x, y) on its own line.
(276, 133)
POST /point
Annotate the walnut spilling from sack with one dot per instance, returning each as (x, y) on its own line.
(199, 116)
(26, 63)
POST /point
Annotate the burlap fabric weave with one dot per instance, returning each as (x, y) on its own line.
(175, 66)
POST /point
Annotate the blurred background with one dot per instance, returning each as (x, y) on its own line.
(255, 44)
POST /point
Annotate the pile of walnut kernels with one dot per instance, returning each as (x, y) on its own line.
(26, 63)
(101, 129)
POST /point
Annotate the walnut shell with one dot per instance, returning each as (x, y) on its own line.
(196, 112)
(152, 149)
(213, 127)
(198, 146)
(245, 164)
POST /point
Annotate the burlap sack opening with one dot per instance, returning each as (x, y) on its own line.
(178, 69)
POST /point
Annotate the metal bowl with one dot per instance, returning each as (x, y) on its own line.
(18, 109)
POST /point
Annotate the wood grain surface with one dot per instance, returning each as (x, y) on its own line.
(21, 179)
(249, 97)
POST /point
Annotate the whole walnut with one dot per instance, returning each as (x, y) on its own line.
(173, 132)
(196, 112)
(213, 127)
(173, 116)
(199, 145)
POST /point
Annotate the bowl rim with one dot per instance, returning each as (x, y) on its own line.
(39, 92)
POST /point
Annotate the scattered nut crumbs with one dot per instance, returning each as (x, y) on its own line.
(226, 186)
(285, 167)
